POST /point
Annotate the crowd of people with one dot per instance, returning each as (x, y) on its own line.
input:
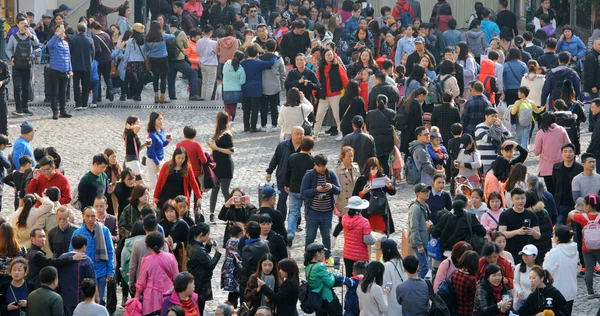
(412, 100)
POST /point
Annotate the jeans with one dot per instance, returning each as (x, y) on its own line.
(563, 211)
(295, 206)
(184, 68)
(590, 259)
(133, 80)
(94, 85)
(104, 71)
(282, 201)
(101, 282)
(250, 107)
(423, 262)
(21, 79)
(522, 137)
(163, 82)
(209, 77)
(58, 89)
(82, 92)
(322, 221)
(270, 101)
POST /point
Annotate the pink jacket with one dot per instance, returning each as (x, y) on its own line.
(354, 229)
(155, 278)
(444, 270)
(488, 221)
(547, 146)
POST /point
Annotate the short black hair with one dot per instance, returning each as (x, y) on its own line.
(564, 57)
(155, 241)
(100, 159)
(320, 160)
(307, 143)
(490, 111)
(21, 19)
(150, 222)
(3, 140)
(493, 55)
(178, 4)
(78, 241)
(195, 32)
(410, 264)
(356, 7)
(95, 25)
(39, 153)
(34, 231)
(53, 193)
(528, 36)
(551, 43)
(359, 267)
(380, 76)
(270, 45)
(265, 218)
(182, 280)
(147, 210)
(235, 230)
(25, 160)
(253, 229)
(385, 9)
(567, 145)
(189, 132)
(252, 51)
(525, 90)
(586, 156)
(419, 130)
(48, 275)
(299, 24)
(207, 29)
(517, 191)
(447, 97)
(456, 129)
(88, 287)
(387, 64)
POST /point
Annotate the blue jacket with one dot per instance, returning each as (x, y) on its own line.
(350, 27)
(133, 52)
(513, 72)
(70, 285)
(60, 56)
(405, 45)
(308, 188)
(156, 152)
(253, 68)
(489, 28)
(575, 47)
(102, 268)
(453, 37)
(351, 306)
(158, 49)
(556, 76)
(82, 52)
(21, 148)
(117, 58)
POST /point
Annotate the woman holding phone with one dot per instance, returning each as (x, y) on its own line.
(491, 297)
(236, 211)
(156, 143)
(133, 146)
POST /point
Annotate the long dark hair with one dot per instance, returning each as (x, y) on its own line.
(138, 38)
(465, 52)
(28, 202)
(275, 272)
(547, 120)
(374, 274)
(154, 32)
(382, 101)
(236, 60)
(222, 125)
(152, 121)
(501, 168)
(96, 7)
(489, 270)
(184, 167)
(351, 91)
(196, 230)
(293, 97)
(517, 173)
(130, 120)
(136, 193)
(323, 62)
(567, 93)
(9, 246)
(417, 73)
(371, 163)
(291, 268)
(412, 96)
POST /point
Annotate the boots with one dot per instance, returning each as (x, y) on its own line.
(163, 99)
(155, 97)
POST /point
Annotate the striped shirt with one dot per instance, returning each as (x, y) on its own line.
(485, 146)
(322, 201)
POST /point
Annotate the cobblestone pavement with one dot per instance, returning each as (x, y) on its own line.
(90, 132)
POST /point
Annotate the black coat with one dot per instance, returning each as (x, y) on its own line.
(379, 124)
(386, 89)
(82, 52)
(360, 184)
(275, 243)
(36, 258)
(444, 116)
(414, 59)
(4, 76)
(591, 75)
(200, 264)
(357, 67)
(251, 254)
(292, 45)
(348, 110)
(277, 218)
(558, 177)
(538, 300)
(594, 147)
(286, 298)
(415, 119)
(485, 303)
(363, 145)
(544, 244)
(222, 16)
(293, 78)
(451, 229)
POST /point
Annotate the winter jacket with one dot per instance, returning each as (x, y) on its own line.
(309, 187)
(469, 70)
(547, 146)
(320, 280)
(415, 119)
(422, 161)
(561, 262)
(513, 72)
(575, 47)
(476, 42)
(45, 301)
(381, 129)
(351, 304)
(82, 52)
(548, 60)
(405, 45)
(226, 47)
(418, 214)
(363, 144)
(223, 16)
(592, 71)
(60, 56)
(293, 77)
(505, 266)
(273, 78)
(555, 77)
(289, 117)
(251, 254)
(453, 37)
(193, 56)
(547, 298)
(292, 44)
(452, 228)
(58, 180)
(45, 218)
(157, 49)
(154, 280)
(102, 267)
(394, 273)
(70, 279)
(253, 86)
(280, 158)
(189, 182)
(333, 79)
(348, 110)
(474, 113)
(386, 89)
(172, 299)
(544, 243)
(156, 151)
(485, 303)
(594, 146)
(200, 264)
(491, 29)
(285, 298)
(355, 229)
(233, 80)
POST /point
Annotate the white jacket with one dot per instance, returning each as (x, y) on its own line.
(394, 272)
(292, 116)
(561, 261)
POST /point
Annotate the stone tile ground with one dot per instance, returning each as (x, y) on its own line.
(90, 132)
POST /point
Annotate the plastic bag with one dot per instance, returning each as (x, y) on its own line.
(219, 92)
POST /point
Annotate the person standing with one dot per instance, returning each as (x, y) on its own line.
(45, 301)
(418, 226)
(563, 173)
(252, 88)
(506, 18)
(221, 13)
(295, 42)
(103, 46)
(155, 49)
(70, 288)
(587, 182)
(418, 151)
(591, 80)
(302, 78)
(156, 150)
(519, 225)
(333, 79)
(222, 148)
(22, 146)
(206, 48)
(59, 237)
(362, 143)
(95, 182)
(297, 166)
(273, 81)
(19, 51)
(82, 54)
(594, 147)
(60, 71)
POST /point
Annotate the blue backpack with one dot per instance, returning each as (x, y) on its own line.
(406, 17)
(446, 292)
(412, 173)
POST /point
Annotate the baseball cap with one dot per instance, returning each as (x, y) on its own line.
(46, 16)
(529, 250)
(26, 127)
(173, 20)
(268, 192)
(387, 244)
(64, 7)
(419, 40)
(358, 121)
(422, 187)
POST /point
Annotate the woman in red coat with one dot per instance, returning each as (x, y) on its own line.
(176, 177)
(333, 79)
(491, 255)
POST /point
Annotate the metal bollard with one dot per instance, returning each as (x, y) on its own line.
(2, 41)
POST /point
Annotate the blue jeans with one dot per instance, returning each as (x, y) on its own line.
(101, 283)
(522, 137)
(423, 262)
(295, 206)
(188, 72)
(94, 87)
(563, 211)
(322, 221)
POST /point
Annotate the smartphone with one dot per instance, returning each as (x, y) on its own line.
(527, 223)
(388, 285)
(237, 199)
(336, 262)
(506, 297)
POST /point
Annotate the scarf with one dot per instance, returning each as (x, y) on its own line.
(251, 240)
(100, 243)
(189, 308)
(497, 292)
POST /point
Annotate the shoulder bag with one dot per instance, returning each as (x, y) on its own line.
(306, 125)
(476, 241)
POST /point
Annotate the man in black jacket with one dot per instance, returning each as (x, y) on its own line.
(297, 166)
(414, 58)
(302, 78)
(185, 19)
(591, 75)
(36, 257)
(252, 250)
(222, 14)
(549, 59)
(362, 143)
(295, 42)
(562, 175)
(528, 46)
(385, 88)
(82, 54)
(279, 161)
(269, 196)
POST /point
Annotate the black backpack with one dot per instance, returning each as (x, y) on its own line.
(557, 84)
(23, 58)
(173, 49)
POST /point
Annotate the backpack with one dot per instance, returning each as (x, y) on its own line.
(411, 171)
(525, 113)
(310, 302)
(493, 86)
(172, 48)
(406, 16)
(446, 293)
(438, 306)
(591, 233)
(23, 58)
(557, 84)
(436, 89)
(401, 119)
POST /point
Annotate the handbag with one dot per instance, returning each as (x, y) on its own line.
(476, 241)
(113, 70)
(378, 203)
(147, 61)
(306, 125)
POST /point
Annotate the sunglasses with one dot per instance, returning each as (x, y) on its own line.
(253, 11)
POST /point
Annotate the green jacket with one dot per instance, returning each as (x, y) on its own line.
(44, 301)
(320, 280)
(128, 217)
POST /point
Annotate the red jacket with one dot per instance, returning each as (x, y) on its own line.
(355, 228)
(195, 154)
(507, 270)
(188, 181)
(58, 180)
(343, 79)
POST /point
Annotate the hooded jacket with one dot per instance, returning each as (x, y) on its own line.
(226, 47)
(452, 228)
(561, 262)
(172, 299)
(542, 299)
(557, 76)
(355, 228)
(476, 42)
(488, 68)
(422, 161)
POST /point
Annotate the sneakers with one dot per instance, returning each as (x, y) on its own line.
(212, 218)
(55, 116)
(340, 137)
(333, 241)
(593, 296)
(65, 115)
(27, 112)
(329, 261)
(275, 128)
(15, 113)
(93, 105)
(80, 108)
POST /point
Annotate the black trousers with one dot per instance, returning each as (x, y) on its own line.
(349, 266)
(111, 296)
(104, 72)
(21, 80)
(58, 90)
(333, 308)
(251, 106)
(270, 102)
(135, 82)
(3, 113)
(81, 93)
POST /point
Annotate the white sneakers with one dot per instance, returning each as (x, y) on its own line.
(340, 137)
